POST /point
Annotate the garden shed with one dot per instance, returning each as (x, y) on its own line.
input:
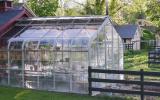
(54, 53)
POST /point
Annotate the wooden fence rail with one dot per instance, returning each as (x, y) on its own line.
(154, 58)
(140, 82)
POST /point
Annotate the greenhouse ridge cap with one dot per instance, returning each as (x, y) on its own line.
(66, 17)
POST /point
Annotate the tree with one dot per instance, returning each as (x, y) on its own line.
(72, 12)
(98, 7)
(134, 10)
(153, 11)
(43, 7)
(15, 1)
(69, 8)
(153, 14)
(115, 8)
(94, 7)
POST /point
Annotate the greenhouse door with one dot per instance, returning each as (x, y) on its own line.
(69, 73)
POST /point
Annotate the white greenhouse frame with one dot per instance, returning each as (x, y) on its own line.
(54, 53)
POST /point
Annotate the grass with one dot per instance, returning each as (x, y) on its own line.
(8, 93)
(136, 60)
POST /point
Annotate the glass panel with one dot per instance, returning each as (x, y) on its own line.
(62, 82)
(3, 59)
(47, 81)
(16, 78)
(80, 83)
(3, 76)
(57, 57)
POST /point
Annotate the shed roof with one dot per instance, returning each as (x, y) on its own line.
(13, 12)
(8, 15)
(126, 31)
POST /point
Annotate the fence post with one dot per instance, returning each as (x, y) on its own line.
(149, 54)
(142, 86)
(89, 81)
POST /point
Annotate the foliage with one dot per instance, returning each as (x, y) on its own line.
(88, 8)
(15, 1)
(99, 7)
(71, 12)
(148, 35)
(69, 8)
(153, 12)
(43, 7)
(136, 60)
(115, 8)
(134, 10)
(94, 7)
(25, 94)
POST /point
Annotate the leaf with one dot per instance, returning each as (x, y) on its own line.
(43, 7)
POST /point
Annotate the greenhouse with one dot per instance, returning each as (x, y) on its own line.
(54, 53)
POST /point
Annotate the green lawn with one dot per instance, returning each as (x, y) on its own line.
(7, 93)
(136, 60)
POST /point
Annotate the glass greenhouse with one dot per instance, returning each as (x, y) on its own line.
(54, 53)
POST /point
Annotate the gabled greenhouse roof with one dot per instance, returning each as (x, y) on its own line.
(60, 30)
